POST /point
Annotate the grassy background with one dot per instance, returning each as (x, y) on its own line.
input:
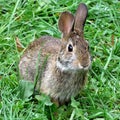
(30, 19)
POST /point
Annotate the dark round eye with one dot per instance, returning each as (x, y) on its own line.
(70, 48)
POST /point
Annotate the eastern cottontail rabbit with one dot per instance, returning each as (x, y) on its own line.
(65, 71)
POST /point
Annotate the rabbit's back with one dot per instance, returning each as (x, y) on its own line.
(34, 56)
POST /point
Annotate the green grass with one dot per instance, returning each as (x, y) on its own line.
(30, 19)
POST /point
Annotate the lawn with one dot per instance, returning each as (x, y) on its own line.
(27, 20)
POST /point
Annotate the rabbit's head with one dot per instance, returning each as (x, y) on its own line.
(74, 53)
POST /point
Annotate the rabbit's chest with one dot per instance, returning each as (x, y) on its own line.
(63, 85)
(69, 85)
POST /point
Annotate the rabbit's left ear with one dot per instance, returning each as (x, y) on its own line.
(65, 23)
(80, 17)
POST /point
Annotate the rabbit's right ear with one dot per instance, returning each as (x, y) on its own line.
(80, 17)
(65, 23)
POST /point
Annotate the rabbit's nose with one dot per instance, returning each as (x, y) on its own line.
(85, 64)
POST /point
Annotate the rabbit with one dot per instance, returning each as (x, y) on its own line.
(67, 59)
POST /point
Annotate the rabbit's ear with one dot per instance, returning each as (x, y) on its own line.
(65, 23)
(80, 17)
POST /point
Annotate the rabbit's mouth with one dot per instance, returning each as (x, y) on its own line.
(85, 67)
(70, 66)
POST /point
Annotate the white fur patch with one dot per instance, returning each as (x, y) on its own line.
(62, 67)
(80, 66)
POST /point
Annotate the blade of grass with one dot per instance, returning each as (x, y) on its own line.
(13, 14)
(72, 115)
(107, 63)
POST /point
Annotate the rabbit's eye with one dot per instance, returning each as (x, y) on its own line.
(70, 48)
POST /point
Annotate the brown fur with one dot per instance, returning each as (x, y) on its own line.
(65, 72)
